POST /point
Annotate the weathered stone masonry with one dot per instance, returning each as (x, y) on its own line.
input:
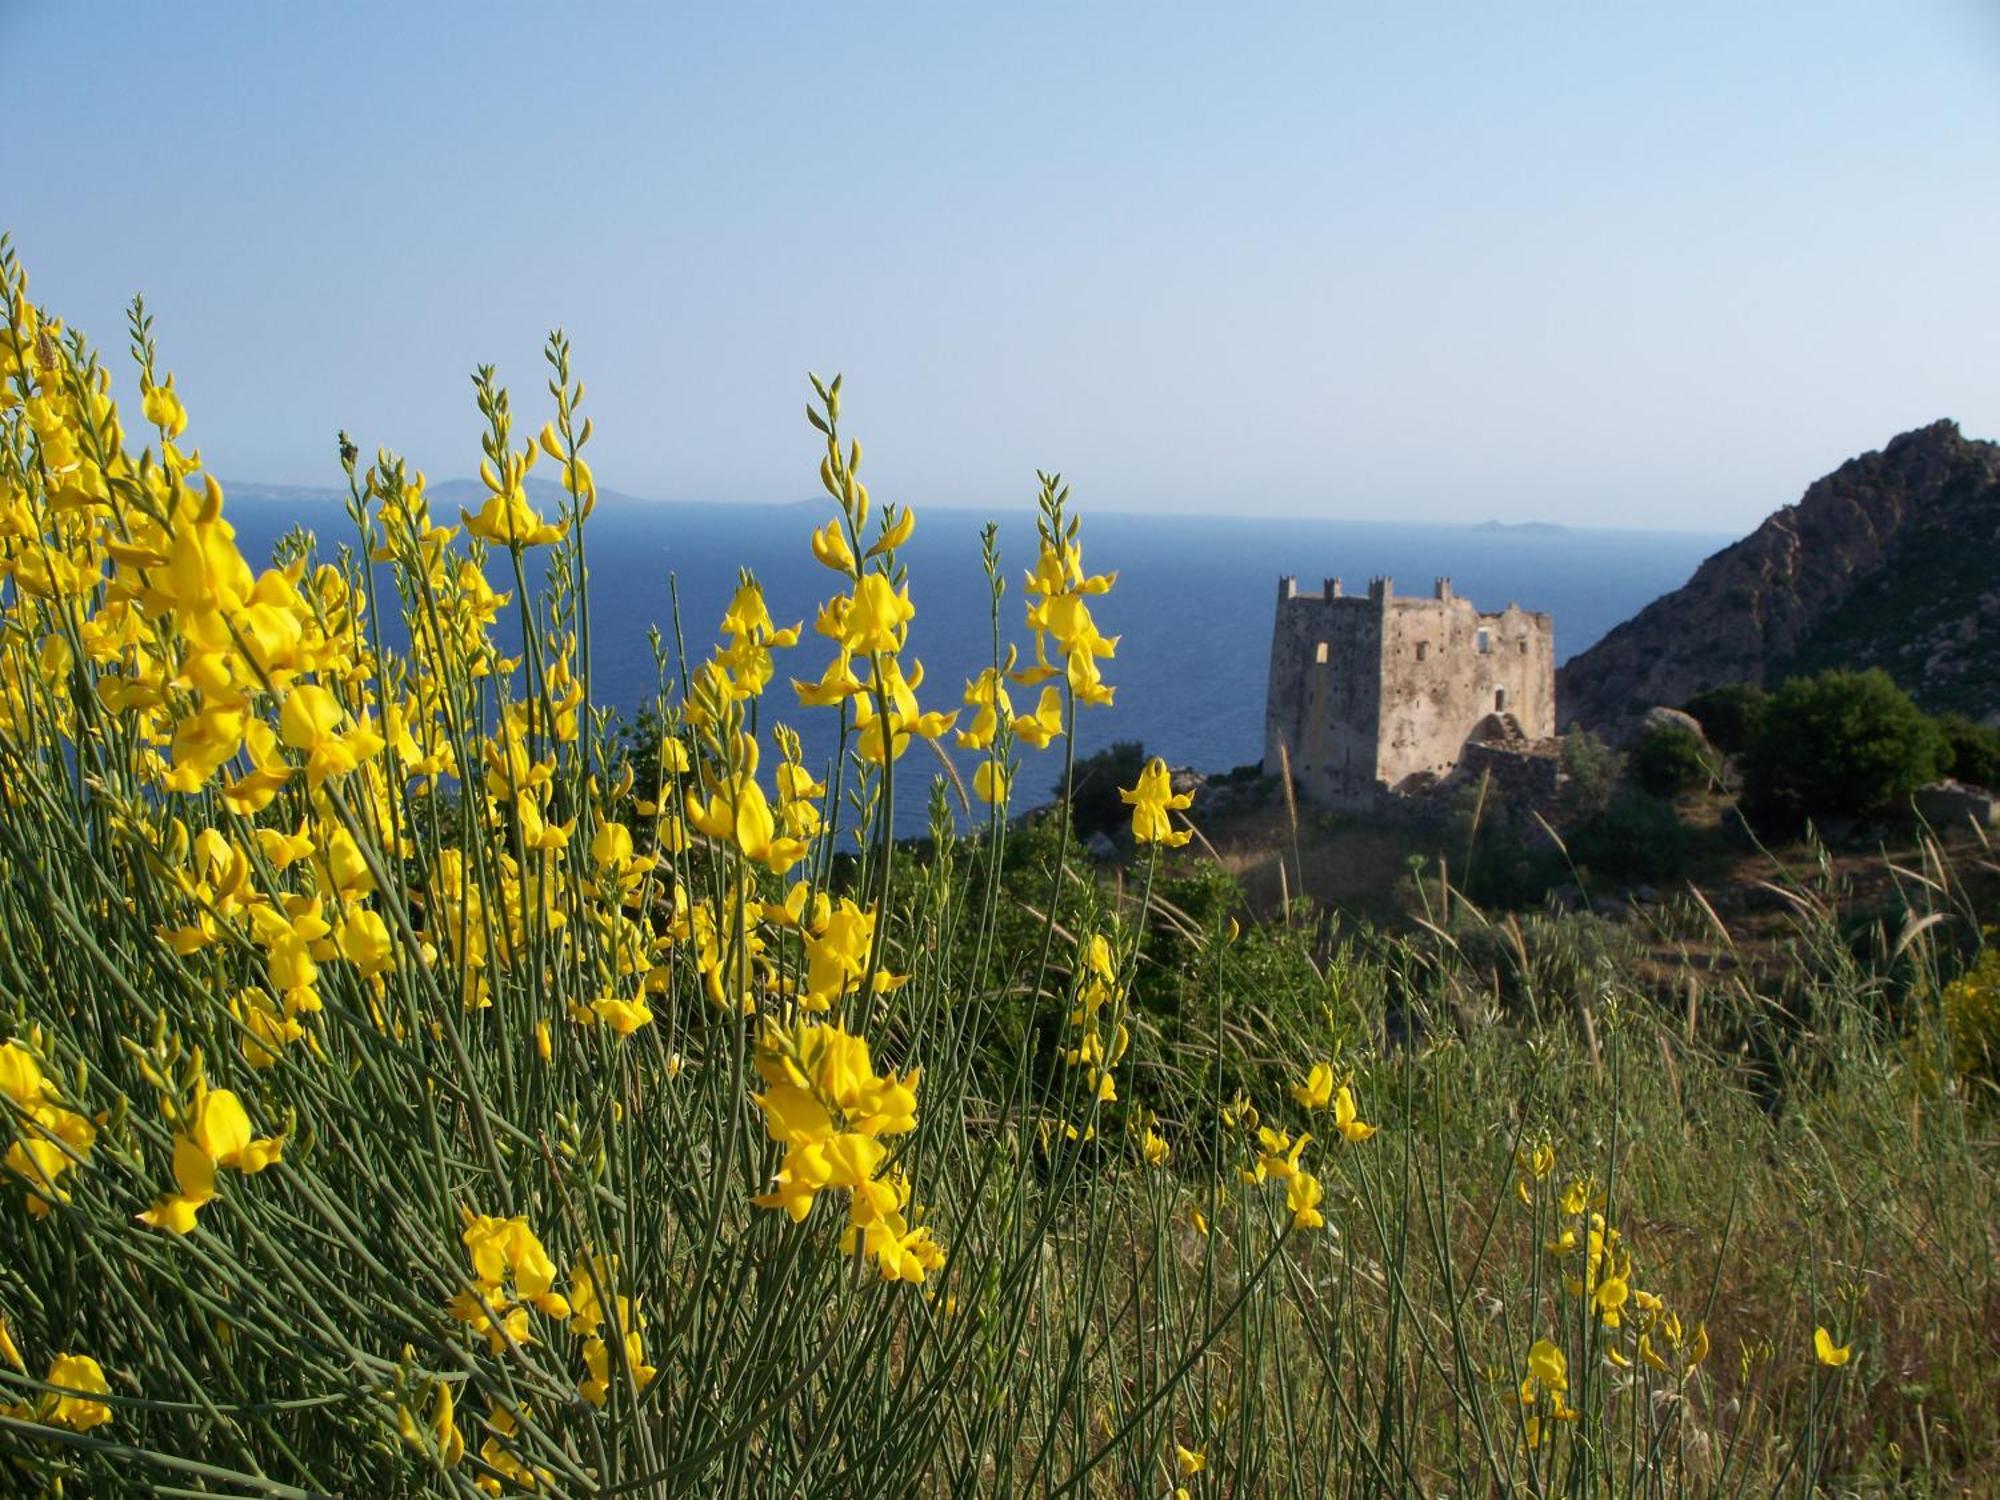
(1369, 691)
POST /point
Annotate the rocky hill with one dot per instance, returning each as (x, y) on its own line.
(1892, 560)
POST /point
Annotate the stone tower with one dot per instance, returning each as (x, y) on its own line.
(1368, 691)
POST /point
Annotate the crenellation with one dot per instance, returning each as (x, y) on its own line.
(1370, 695)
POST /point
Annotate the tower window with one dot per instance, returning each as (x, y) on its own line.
(1483, 642)
(1423, 649)
(1499, 699)
(1319, 653)
(1524, 648)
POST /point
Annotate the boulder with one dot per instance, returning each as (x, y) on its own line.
(1663, 717)
(1949, 804)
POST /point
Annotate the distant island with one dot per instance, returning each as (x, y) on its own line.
(1533, 528)
(542, 492)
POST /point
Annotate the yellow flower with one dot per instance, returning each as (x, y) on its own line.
(989, 782)
(596, 1385)
(829, 546)
(363, 939)
(622, 1016)
(896, 529)
(1344, 1118)
(1317, 1091)
(739, 813)
(1830, 1353)
(987, 697)
(312, 720)
(1045, 724)
(1278, 1153)
(837, 954)
(1151, 800)
(162, 407)
(1155, 1148)
(1189, 1462)
(52, 1139)
(1302, 1197)
(219, 1136)
(878, 617)
(1547, 1369)
(79, 1379)
(507, 519)
(444, 1438)
(826, 1105)
(283, 849)
(1058, 613)
(1611, 1295)
(503, 1249)
(1535, 1165)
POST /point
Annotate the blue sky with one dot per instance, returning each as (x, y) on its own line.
(1645, 265)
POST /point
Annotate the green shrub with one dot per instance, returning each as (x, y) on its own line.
(1591, 770)
(1637, 837)
(1971, 751)
(1730, 715)
(1839, 743)
(1669, 759)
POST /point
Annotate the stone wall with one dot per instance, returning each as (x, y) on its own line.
(1527, 776)
(1324, 691)
(1445, 667)
(1370, 691)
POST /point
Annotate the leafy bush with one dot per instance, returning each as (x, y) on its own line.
(1730, 715)
(1495, 851)
(1591, 769)
(1670, 759)
(1637, 837)
(1971, 751)
(1839, 743)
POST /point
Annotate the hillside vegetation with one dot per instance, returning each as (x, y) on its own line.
(1886, 562)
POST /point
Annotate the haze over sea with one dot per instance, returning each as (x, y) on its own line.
(1193, 603)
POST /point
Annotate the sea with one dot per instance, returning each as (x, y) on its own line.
(1192, 607)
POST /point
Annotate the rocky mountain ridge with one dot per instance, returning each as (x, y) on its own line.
(1892, 560)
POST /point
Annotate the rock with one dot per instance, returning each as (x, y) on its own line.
(1885, 562)
(1645, 895)
(1950, 804)
(1662, 717)
(1099, 846)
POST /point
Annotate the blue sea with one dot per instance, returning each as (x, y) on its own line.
(1193, 603)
